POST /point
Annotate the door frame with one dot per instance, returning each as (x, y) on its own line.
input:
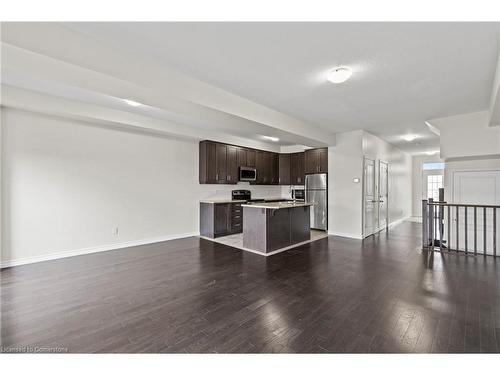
(377, 189)
(363, 198)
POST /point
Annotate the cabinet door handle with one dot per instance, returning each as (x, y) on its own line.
(217, 176)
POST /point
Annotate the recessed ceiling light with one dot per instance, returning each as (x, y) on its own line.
(409, 137)
(273, 139)
(430, 153)
(132, 102)
(339, 75)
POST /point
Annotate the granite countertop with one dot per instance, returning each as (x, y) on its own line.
(222, 200)
(229, 200)
(277, 205)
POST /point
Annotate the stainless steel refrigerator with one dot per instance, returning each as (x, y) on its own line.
(316, 193)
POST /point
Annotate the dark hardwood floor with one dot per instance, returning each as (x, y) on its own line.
(193, 295)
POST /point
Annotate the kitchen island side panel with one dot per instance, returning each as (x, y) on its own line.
(278, 229)
(254, 228)
(300, 224)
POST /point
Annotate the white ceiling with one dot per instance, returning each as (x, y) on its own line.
(404, 73)
(77, 71)
(265, 78)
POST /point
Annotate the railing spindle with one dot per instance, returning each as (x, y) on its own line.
(424, 224)
(494, 231)
(431, 225)
(484, 231)
(441, 227)
(475, 230)
(465, 213)
(449, 228)
(456, 218)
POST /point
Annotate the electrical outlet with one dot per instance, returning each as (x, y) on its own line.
(115, 231)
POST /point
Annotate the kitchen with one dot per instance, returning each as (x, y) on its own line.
(264, 224)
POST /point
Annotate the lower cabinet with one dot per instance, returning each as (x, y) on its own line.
(220, 219)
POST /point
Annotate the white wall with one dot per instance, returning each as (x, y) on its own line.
(345, 197)
(345, 162)
(468, 135)
(67, 184)
(400, 174)
(417, 181)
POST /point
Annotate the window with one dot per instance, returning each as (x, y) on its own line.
(429, 166)
(434, 183)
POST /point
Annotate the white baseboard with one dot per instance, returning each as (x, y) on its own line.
(347, 235)
(90, 250)
(358, 237)
(396, 222)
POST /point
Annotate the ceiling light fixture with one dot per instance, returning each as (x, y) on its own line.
(409, 137)
(430, 153)
(273, 139)
(132, 103)
(339, 75)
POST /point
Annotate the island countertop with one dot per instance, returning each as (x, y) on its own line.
(229, 200)
(277, 205)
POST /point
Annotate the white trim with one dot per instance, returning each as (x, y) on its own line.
(399, 221)
(94, 249)
(347, 235)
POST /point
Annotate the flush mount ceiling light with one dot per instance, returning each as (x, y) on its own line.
(339, 75)
(132, 103)
(430, 153)
(409, 137)
(273, 139)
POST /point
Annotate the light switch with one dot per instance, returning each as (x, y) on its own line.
(355, 180)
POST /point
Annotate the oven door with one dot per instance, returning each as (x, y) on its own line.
(248, 174)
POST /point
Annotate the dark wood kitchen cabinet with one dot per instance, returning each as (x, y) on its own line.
(220, 219)
(275, 168)
(262, 166)
(207, 165)
(232, 165)
(242, 157)
(251, 158)
(316, 160)
(284, 169)
(297, 171)
(220, 163)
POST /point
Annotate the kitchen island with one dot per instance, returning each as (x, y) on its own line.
(269, 227)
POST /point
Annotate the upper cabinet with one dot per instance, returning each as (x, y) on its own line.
(251, 156)
(220, 163)
(284, 169)
(232, 164)
(267, 167)
(316, 160)
(297, 175)
(275, 168)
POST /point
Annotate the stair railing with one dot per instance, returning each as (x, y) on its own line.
(469, 229)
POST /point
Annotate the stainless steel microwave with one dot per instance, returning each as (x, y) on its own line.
(248, 174)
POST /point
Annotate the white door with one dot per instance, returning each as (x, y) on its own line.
(383, 171)
(475, 187)
(369, 197)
